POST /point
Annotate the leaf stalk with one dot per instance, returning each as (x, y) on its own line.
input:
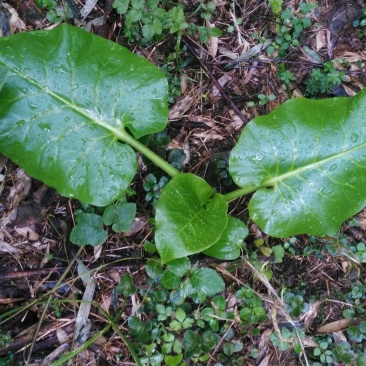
(144, 150)
(231, 196)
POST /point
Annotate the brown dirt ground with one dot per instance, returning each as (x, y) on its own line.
(36, 221)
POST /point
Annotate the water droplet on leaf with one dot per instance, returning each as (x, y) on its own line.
(45, 126)
(333, 167)
(354, 137)
(32, 105)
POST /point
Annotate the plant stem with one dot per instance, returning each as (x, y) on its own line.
(231, 196)
(141, 148)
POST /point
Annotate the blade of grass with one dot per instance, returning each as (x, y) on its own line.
(50, 297)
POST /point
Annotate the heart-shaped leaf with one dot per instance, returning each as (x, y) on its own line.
(307, 161)
(120, 215)
(190, 217)
(66, 100)
(88, 230)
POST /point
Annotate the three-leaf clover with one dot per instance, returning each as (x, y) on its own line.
(181, 321)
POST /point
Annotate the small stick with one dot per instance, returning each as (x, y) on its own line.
(217, 84)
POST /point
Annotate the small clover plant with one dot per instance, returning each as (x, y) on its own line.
(153, 187)
(324, 353)
(288, 339)
(178, 329)
(295, 304)
(147, 19)
(322, 81)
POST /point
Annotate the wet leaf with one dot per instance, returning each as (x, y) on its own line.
(67, 98)
(120, 215)
(307, 162)
(88, 230)
(229, 246)
(179, 266)
(207, 281)
(190, 217)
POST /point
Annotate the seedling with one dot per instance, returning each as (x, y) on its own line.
(262, 100)
(288, 339)
(286, 76)
(148, 19)
(322, 81)
(325, 355)
(153, 187)
(360, 24)
(288, 27)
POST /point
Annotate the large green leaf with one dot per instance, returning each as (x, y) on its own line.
(3, 73)
(190, 217)
(307, 161)
(67, 98)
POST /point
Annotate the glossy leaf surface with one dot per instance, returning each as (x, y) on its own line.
(207, 281)
(190, 217)
(229, 246)
(307, 162)
(66, 100)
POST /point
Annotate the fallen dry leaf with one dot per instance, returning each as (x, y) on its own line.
(335, 326)
(27, 232)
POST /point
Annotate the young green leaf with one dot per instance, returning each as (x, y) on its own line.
(67, 98)
(278, 252)
(307, 162)
(190, 217)
(179, 266)
(126, 287)
(191, 343)
(88, 230)
(173, 360)
(138, 329)
(207, 281)
(154, 269)
(170, 280)
(120, 215)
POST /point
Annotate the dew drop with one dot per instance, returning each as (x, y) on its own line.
(333, 167)
(21, 123)
(59, 70)
(45, 126)
(354, 137)
(32, 105)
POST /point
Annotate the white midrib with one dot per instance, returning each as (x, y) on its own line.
(274, 181)
(312, 166)
(118, 132)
